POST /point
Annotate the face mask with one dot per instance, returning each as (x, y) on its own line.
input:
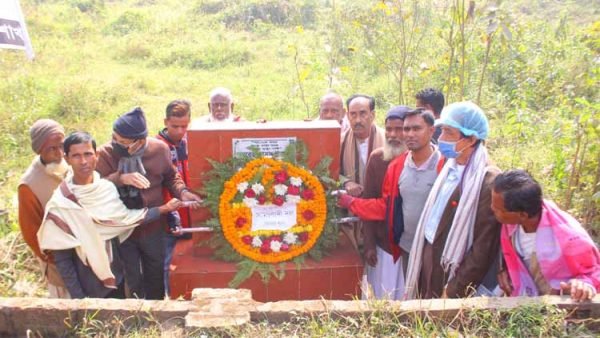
(120, 149)
(448, 149)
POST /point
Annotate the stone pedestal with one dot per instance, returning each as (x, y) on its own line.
(335, 277)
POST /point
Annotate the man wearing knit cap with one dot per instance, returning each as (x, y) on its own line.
(44, 174)
(140, 166)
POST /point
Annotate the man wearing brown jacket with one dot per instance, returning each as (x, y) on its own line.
(44, 174)
(457, 239)
(140, 166)
(382, 272)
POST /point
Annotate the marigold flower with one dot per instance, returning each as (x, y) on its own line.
(280, 189)
(296, 181)
(275, 246)
(241, 187)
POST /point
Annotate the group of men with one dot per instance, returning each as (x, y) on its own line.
(437, 219)
(99, 229)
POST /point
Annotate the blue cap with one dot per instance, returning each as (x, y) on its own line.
(465, 116)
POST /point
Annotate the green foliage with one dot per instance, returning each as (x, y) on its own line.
(129, 22)
(89, 6)
(194, 57)
(248, 14)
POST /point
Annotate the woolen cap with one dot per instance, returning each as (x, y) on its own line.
(132, 125)
(41, 130)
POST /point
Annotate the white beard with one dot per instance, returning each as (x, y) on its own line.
(57, 169)
(228, 119)
(390, 152)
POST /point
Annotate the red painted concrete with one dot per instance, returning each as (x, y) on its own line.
(335, 277)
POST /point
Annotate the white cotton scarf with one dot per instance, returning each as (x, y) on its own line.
(457, 244)
(88, 224)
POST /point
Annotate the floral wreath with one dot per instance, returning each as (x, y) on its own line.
(271, 184)
(243, 187)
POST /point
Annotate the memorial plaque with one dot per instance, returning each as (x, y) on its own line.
(267, 146)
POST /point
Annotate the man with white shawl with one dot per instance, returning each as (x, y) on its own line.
(457, 238)
(85, 221)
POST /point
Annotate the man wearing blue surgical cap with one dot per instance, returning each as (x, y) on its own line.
(457, 238)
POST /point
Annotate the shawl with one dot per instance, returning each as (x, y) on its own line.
(351, 166)
(86, 218)
(563, 249)
(460, 237)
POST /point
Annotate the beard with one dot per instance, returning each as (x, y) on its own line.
(57, 169)
(391, 151)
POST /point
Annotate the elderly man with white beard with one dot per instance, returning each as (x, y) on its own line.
(381, 271)
(44, 174)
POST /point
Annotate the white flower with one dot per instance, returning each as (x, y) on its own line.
(292, 199)
(256, 242)
(280, 189)
(275, 246)
(290, 238)
(241, 187)
(296, 181)
(258, 188)
(250, 202)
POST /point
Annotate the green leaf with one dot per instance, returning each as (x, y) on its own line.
(245, 270)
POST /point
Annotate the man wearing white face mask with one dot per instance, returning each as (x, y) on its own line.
(37, 184)
(457, 238)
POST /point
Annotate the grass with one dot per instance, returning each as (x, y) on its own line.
(19, 277)
(527, 321)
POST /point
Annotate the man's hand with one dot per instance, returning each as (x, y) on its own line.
(172, 205)
(371, 256)
(135, 146)
(578, 289)
(353, 189)
(177, 231)
(504, 282)
(135, 180)
(344, 201)
(189, 196)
